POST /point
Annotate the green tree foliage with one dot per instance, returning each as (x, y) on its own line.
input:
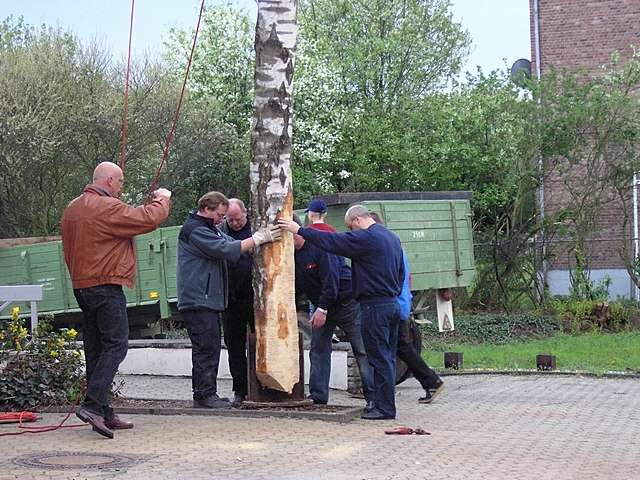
(386, 50)
(61, 107)
(222, 67)
(51, 94)
(212, 152)
(368, 70)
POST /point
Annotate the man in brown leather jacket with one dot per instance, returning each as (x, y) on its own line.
(97, 237)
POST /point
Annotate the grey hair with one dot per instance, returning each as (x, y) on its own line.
(238, 202)
(356, 211)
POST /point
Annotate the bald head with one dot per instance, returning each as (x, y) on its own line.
(236, 214)
(237, 203)
(109, 177)
(358, 217)
(105, 170)
(356, 211)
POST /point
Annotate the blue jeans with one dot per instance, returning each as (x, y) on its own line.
(105, 334)
(204, 331)
(380, 322)
(347, 317)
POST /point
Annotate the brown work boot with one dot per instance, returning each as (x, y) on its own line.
(96, 421)
(115, 423)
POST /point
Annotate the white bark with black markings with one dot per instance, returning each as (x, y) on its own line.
(277, 350)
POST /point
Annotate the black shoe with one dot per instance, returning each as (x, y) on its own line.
(316, 402)
(96, 421)
(212, 402)
(237, 400)
(432, 393)
(376, 414)
(369, 406)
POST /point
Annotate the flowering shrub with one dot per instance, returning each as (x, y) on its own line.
(38, 370)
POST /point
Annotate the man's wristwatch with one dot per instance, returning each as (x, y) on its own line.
(321, 310)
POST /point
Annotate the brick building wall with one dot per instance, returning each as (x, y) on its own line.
(582, 35)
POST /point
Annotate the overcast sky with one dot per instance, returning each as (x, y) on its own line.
(499, 28)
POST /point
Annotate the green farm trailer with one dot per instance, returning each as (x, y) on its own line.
(42, 263)
(435, 230)
(434, 227)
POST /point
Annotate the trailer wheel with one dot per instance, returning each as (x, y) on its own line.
(402, 371)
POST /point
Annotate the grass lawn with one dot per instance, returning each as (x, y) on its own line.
(593, 353)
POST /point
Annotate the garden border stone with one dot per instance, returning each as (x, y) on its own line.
(568, 373)
(332, 413)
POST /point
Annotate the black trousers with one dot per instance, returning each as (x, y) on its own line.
(105, 333)
(204, 330)
(417, 366)
(235, 320)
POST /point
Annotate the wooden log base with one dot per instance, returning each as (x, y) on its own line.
(278, 404)
(257, 393)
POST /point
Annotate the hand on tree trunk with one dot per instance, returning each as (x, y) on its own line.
(268, 234)
(288, 225)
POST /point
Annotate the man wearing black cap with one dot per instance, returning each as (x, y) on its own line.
(316, 213)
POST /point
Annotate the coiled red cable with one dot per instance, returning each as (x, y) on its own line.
(21, 417)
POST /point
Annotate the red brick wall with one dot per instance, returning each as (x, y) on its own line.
(581, 35)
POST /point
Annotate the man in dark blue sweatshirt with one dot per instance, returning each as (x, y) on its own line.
(326, 281)
(378, 273)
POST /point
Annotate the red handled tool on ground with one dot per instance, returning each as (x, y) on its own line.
(406, 431)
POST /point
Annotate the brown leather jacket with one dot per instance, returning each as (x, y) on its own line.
(97, 237)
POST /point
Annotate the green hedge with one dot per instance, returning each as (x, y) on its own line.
(493, 328)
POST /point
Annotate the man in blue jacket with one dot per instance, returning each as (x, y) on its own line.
(377, 274)
(203, 292)
(326, 281)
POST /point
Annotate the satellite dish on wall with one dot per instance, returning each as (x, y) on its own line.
(521, 72)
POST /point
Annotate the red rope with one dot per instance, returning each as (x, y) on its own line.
(21, 417)
(125, 107)
(174, 123)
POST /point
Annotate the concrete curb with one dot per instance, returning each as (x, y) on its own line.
(566, 373)
(343, 414)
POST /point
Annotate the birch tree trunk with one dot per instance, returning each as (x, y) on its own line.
(277, 349)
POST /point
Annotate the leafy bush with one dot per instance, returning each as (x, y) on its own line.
(584, 315)
(38, 370)
(493, 328)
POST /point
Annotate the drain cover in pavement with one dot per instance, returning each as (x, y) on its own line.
(75, 461)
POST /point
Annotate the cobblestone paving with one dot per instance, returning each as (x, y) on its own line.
(483, 427)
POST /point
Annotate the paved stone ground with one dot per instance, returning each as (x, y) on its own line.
(483, 427)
